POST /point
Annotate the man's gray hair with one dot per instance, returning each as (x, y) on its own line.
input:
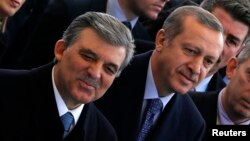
(244, 54)
(174, 22)
(107, 27)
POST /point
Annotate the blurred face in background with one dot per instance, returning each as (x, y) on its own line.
(234, 34)
(237, 95)
(147, 8)
(10, 7)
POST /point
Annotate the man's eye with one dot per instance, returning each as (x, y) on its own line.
(190, 51)
(88, 57)
(111, 70)
(209, 62)
(231, 42)
(248, 73)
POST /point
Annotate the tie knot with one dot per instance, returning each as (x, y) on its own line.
(127, 24)
(67, 120)
(155, 105)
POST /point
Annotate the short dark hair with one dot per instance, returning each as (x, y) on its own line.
(238, 9)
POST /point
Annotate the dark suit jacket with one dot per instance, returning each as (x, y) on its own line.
(20, 29)
(216, 83)
(206, 103)
(179, 121)
(3, 44)
(143, 46)
(39, 49)
(30, 111)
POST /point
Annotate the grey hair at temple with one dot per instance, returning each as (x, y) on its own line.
(174, 22)
(244, 54)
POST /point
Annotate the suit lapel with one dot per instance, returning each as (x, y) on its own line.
(168, 121)
(131, 98)
(45, 117)
(210, 108)
(80, 131)
(216, 83)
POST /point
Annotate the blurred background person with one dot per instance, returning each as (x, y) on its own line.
(7, 8)
(231, 105)
(234, 15)
(27, 51)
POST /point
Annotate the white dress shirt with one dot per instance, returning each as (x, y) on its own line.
(151, 92)
(114, 9)
(61, 106)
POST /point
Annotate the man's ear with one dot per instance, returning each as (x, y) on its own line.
(159, 40)
(60, 47)
(231, 66)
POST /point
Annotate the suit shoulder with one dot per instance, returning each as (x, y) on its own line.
(100, 126)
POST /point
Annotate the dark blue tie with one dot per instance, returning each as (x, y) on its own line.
(154, 106)
(68, 121)
(127, 24)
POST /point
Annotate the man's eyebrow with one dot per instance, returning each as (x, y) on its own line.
(88, 51)
(234, 38)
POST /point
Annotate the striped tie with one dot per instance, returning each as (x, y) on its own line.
(68, 121)
(154, 107)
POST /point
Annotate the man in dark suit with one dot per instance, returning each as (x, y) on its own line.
(231, 105)
(8, 8)
(234, 16)
(60, 13)
(92, 52)
(187, 46)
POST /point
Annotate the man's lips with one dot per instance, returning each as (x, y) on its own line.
(158, 8)
(15, 3)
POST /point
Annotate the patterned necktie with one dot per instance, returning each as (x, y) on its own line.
(154, 106)
(68, 121)
(127, 24)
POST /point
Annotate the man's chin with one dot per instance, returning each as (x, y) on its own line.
(183, 91)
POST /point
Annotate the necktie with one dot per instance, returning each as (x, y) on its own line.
(154, 106)
(68, 121)
(127, 24)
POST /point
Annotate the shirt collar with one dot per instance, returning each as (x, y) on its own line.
(222, 117)
(61, 106)
(151, 90)
(114, 9)
(202, 86)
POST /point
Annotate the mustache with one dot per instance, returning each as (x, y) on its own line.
(92, 81)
